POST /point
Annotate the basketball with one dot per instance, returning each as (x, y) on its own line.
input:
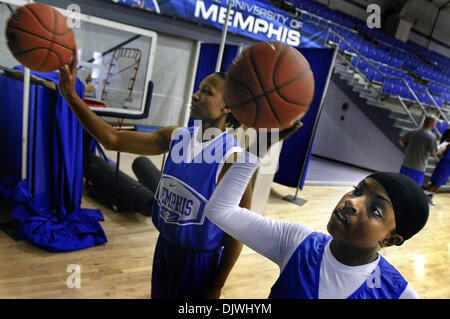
(39, 38)
(270, 85)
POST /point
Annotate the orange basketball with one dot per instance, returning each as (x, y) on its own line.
(39, 37)
(270, 85)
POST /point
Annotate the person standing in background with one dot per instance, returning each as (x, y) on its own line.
(441, 172)
(420, 144)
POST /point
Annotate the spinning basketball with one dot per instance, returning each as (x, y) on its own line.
(269, 86)
(39, 38)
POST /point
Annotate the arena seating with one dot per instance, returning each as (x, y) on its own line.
(396, 75)
(421, 68)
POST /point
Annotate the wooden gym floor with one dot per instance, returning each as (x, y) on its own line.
(121, 268)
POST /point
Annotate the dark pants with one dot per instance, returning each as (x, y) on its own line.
(146, 172)
(114, 188)
(180, 273)
(148, 175)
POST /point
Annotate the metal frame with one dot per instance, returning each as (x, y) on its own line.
(127, 28)
(98, 110)
(25, 104)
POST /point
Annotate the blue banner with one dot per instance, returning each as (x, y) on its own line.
(255, 19)
(149, 5)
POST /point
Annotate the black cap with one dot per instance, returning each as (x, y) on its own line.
(409, 201)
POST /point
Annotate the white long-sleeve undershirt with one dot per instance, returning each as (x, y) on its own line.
(278, 240)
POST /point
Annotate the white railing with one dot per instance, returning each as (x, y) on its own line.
(385, 77)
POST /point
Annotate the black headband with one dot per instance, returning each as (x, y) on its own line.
(409, 202)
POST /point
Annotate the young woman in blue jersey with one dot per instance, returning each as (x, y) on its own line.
(383, 210)
(193, 257)
(441, 172)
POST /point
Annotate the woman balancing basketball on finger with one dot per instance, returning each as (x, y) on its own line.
(192, 257)
(385, 209)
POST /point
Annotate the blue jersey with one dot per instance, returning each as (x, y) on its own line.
(187, 183)
(446, 156)
(300, 278)
(441, 172)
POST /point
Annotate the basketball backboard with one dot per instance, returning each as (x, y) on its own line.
(115, 61)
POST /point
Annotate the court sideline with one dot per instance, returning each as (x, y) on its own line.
(122, 267)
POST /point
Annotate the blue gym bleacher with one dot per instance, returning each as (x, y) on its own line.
(404, 80)
(383, 59)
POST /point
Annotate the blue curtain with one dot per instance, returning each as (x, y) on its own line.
(47, 203)
(296, 150)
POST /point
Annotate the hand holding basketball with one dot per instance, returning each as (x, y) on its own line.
(270, 85)
(68, 77)
(270, 139)
(39, 37)
(284, 134)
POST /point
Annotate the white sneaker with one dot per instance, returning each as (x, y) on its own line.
(430, 200)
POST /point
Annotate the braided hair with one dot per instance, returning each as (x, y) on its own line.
(231, 121)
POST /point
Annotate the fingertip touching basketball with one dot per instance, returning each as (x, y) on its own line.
(270, 85)
(39, 38)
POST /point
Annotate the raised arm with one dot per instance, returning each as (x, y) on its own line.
(124, 141)
(231, 247)
(273, 239)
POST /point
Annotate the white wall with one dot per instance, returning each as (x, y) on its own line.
(434, 46)
(423, 13)
(6, 58)
(354, 10)
(442, 33)
(171, 74)
(355, 140)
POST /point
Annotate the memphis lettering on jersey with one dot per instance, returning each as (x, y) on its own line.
(177, 204)
(180, 204)
(261, 22)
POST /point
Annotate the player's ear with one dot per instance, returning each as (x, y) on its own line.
(394, 239)
(226, 109)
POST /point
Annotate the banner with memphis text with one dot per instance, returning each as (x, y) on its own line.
(254, 19)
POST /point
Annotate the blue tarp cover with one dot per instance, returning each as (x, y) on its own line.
(67, 226)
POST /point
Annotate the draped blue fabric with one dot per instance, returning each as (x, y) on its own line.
(48, 202)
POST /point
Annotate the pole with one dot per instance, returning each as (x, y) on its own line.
(224, 36)
(25, 120)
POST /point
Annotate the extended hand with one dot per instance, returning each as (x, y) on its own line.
(290, 130)
(283, 134)
(271, 139)
(68, 77)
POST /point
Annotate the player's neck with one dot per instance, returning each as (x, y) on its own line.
(351, 255)
(217, 124)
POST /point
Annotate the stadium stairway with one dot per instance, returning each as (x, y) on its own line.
(392, 115)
